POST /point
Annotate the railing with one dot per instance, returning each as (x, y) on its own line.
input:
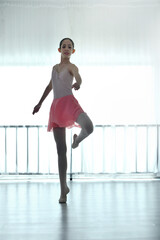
(21, 150)
(27, 138)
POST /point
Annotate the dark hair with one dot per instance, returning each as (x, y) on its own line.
(66, 39)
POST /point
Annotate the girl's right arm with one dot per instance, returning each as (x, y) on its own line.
(45, 94)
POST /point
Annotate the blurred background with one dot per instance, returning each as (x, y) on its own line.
(118, 56)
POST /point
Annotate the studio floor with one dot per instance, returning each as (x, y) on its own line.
(95, 210)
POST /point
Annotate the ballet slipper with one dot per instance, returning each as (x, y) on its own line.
(63, 199)
(74, 144)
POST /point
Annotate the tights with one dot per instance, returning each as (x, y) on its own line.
(60, 138)
(87, 128)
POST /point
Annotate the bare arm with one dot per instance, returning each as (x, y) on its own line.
(45, 94)
(75, 72)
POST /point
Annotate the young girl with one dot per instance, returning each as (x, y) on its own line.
(65, 109)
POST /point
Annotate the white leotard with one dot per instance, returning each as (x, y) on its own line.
(62, 83)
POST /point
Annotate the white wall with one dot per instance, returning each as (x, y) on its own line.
(117, 52)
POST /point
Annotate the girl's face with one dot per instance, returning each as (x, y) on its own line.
(66, 49)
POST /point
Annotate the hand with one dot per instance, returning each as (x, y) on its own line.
(36, 108)
(76, 86)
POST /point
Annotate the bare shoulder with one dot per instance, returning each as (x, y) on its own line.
(55, 67)
(73, 69)
(73, 66)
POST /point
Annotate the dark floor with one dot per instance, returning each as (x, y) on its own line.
(95, 210)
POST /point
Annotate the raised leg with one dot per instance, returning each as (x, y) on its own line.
(87, 128)
(60, 139)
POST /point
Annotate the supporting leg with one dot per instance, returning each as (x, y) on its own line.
(60, 138)
(87, 128)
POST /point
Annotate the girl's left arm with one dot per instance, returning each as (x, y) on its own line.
(75, 72)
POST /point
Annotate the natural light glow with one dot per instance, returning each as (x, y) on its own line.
(109, 94)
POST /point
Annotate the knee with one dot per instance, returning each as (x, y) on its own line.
(89, 128)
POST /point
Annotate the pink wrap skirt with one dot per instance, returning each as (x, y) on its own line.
(64, 112)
